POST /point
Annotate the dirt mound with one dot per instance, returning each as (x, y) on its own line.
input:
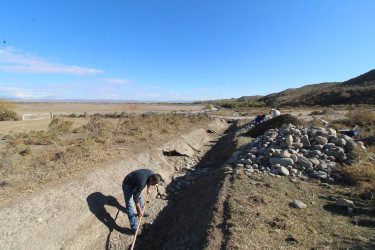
(277, 122)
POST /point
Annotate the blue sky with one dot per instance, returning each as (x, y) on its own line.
(172, 50)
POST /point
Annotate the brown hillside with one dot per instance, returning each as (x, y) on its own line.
(364, 79)
(358, 90)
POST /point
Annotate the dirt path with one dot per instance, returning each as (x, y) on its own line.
(87, 212)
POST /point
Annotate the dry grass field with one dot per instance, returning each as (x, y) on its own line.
(34, 153)
(103, 108)
(9, 127)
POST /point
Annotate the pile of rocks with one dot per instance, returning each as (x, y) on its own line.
(183, 181)
(297, 151)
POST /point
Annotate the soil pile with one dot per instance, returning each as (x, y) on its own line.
(277, 122)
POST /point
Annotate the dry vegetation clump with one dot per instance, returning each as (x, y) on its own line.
(7, 112)
(362, 120)
(33, 138)
(362, 117)
(316, 122)
(60, 126)
(362, 174)
(140, 127)
(339, 124)
(56, 128)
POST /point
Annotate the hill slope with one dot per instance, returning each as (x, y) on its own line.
(358, 90)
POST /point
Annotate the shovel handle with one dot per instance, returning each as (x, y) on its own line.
(139, 224)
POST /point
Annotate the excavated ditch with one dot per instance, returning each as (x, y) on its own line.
(181, 222)
(184, 222)
(88, 212)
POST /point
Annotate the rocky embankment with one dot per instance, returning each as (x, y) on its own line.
(298, 151)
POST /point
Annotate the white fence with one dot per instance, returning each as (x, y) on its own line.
(37, 116)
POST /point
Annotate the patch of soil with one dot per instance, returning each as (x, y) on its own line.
(277, 122)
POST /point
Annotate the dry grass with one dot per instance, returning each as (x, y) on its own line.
(14, 127)
(103, 108)
(29, 160)
(33, 138)
(7, 112)
(362, 174)
(362, 117)
(261, 217)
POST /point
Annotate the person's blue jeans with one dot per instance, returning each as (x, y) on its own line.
(130, 206)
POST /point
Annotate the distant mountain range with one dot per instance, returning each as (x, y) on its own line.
(358, 90)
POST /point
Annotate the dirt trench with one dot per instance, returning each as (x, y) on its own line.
(195, 218)
(87, 212)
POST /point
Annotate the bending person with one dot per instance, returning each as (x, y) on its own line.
(132, 186)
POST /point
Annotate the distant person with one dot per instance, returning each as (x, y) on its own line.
(259, 119)
(274, 113)
(132, 186)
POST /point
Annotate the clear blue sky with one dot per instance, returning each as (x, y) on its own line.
(188, 50)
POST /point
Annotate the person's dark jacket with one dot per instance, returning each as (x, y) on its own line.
(138, 179)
